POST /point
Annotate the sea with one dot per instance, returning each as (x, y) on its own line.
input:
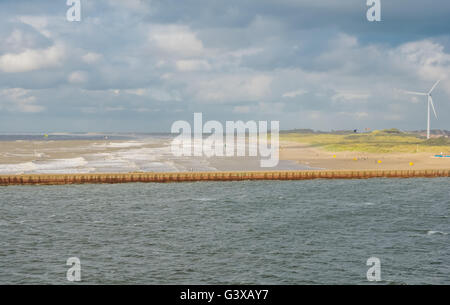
(247, 232)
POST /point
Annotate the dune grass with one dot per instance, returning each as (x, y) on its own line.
(374, 142)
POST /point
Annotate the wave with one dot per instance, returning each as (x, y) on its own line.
(19, 168)
(436, 233)
(129, 157)
(73, 165)
(120, 144)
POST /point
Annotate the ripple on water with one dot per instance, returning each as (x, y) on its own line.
(251, 232)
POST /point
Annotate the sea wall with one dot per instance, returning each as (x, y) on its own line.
(48, 179)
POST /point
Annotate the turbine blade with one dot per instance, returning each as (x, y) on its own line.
(415, 93)
(434, 86)
(432, 106)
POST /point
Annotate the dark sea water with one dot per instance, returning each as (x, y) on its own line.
(269, 232)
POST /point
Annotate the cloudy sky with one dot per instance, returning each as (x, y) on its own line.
(140, 65)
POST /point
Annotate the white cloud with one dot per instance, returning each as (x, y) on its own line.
(20, 100)
(91, 57)
(346, 96)
(344, 41)
(39, 23)
(314, 115)
(259, 85)
(230, 87)
(30, 60)
(19, 41)
(394, 117)
(155, 93)
(77, 77)
(246, 52)
(175, 39)
(133, 5)
(361, 115)
(295, 93)
(117, 108)
(356, 115)
(89, 110)
(424, 53)
(427, 59)
(271, 108)
(139, 91)
(241, 109)
(192, 65)
(146, 109)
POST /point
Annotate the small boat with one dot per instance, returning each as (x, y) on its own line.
(442, 156)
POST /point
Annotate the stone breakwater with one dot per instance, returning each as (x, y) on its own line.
(50, 179)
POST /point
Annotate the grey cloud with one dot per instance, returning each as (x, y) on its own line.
(139, 65)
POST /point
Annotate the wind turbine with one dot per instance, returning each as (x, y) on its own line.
(430, 104)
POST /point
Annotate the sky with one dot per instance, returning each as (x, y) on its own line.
(139, 66)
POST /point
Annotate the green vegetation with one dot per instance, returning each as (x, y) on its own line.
(442, 141)
(378, 141)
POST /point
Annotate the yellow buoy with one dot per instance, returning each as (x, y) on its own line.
(334, 156)
(379, 161)
(356, 159)
(411, 164)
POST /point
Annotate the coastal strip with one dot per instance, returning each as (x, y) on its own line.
(59, 179)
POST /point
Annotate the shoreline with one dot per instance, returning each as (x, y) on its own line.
(62, 179)
(148, 155)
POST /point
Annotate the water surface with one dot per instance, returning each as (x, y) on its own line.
(255, 232)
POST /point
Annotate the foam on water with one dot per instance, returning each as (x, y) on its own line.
(123, 156)
(73, 165)
(120, 144)
(436, 233)
(19, 168)
(143, 159)
(138, 159)
(109, 161)
(240, 143)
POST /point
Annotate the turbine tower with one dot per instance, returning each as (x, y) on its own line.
(430, 104)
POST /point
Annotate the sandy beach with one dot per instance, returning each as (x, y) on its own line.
(307, 155)
(154, 155)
